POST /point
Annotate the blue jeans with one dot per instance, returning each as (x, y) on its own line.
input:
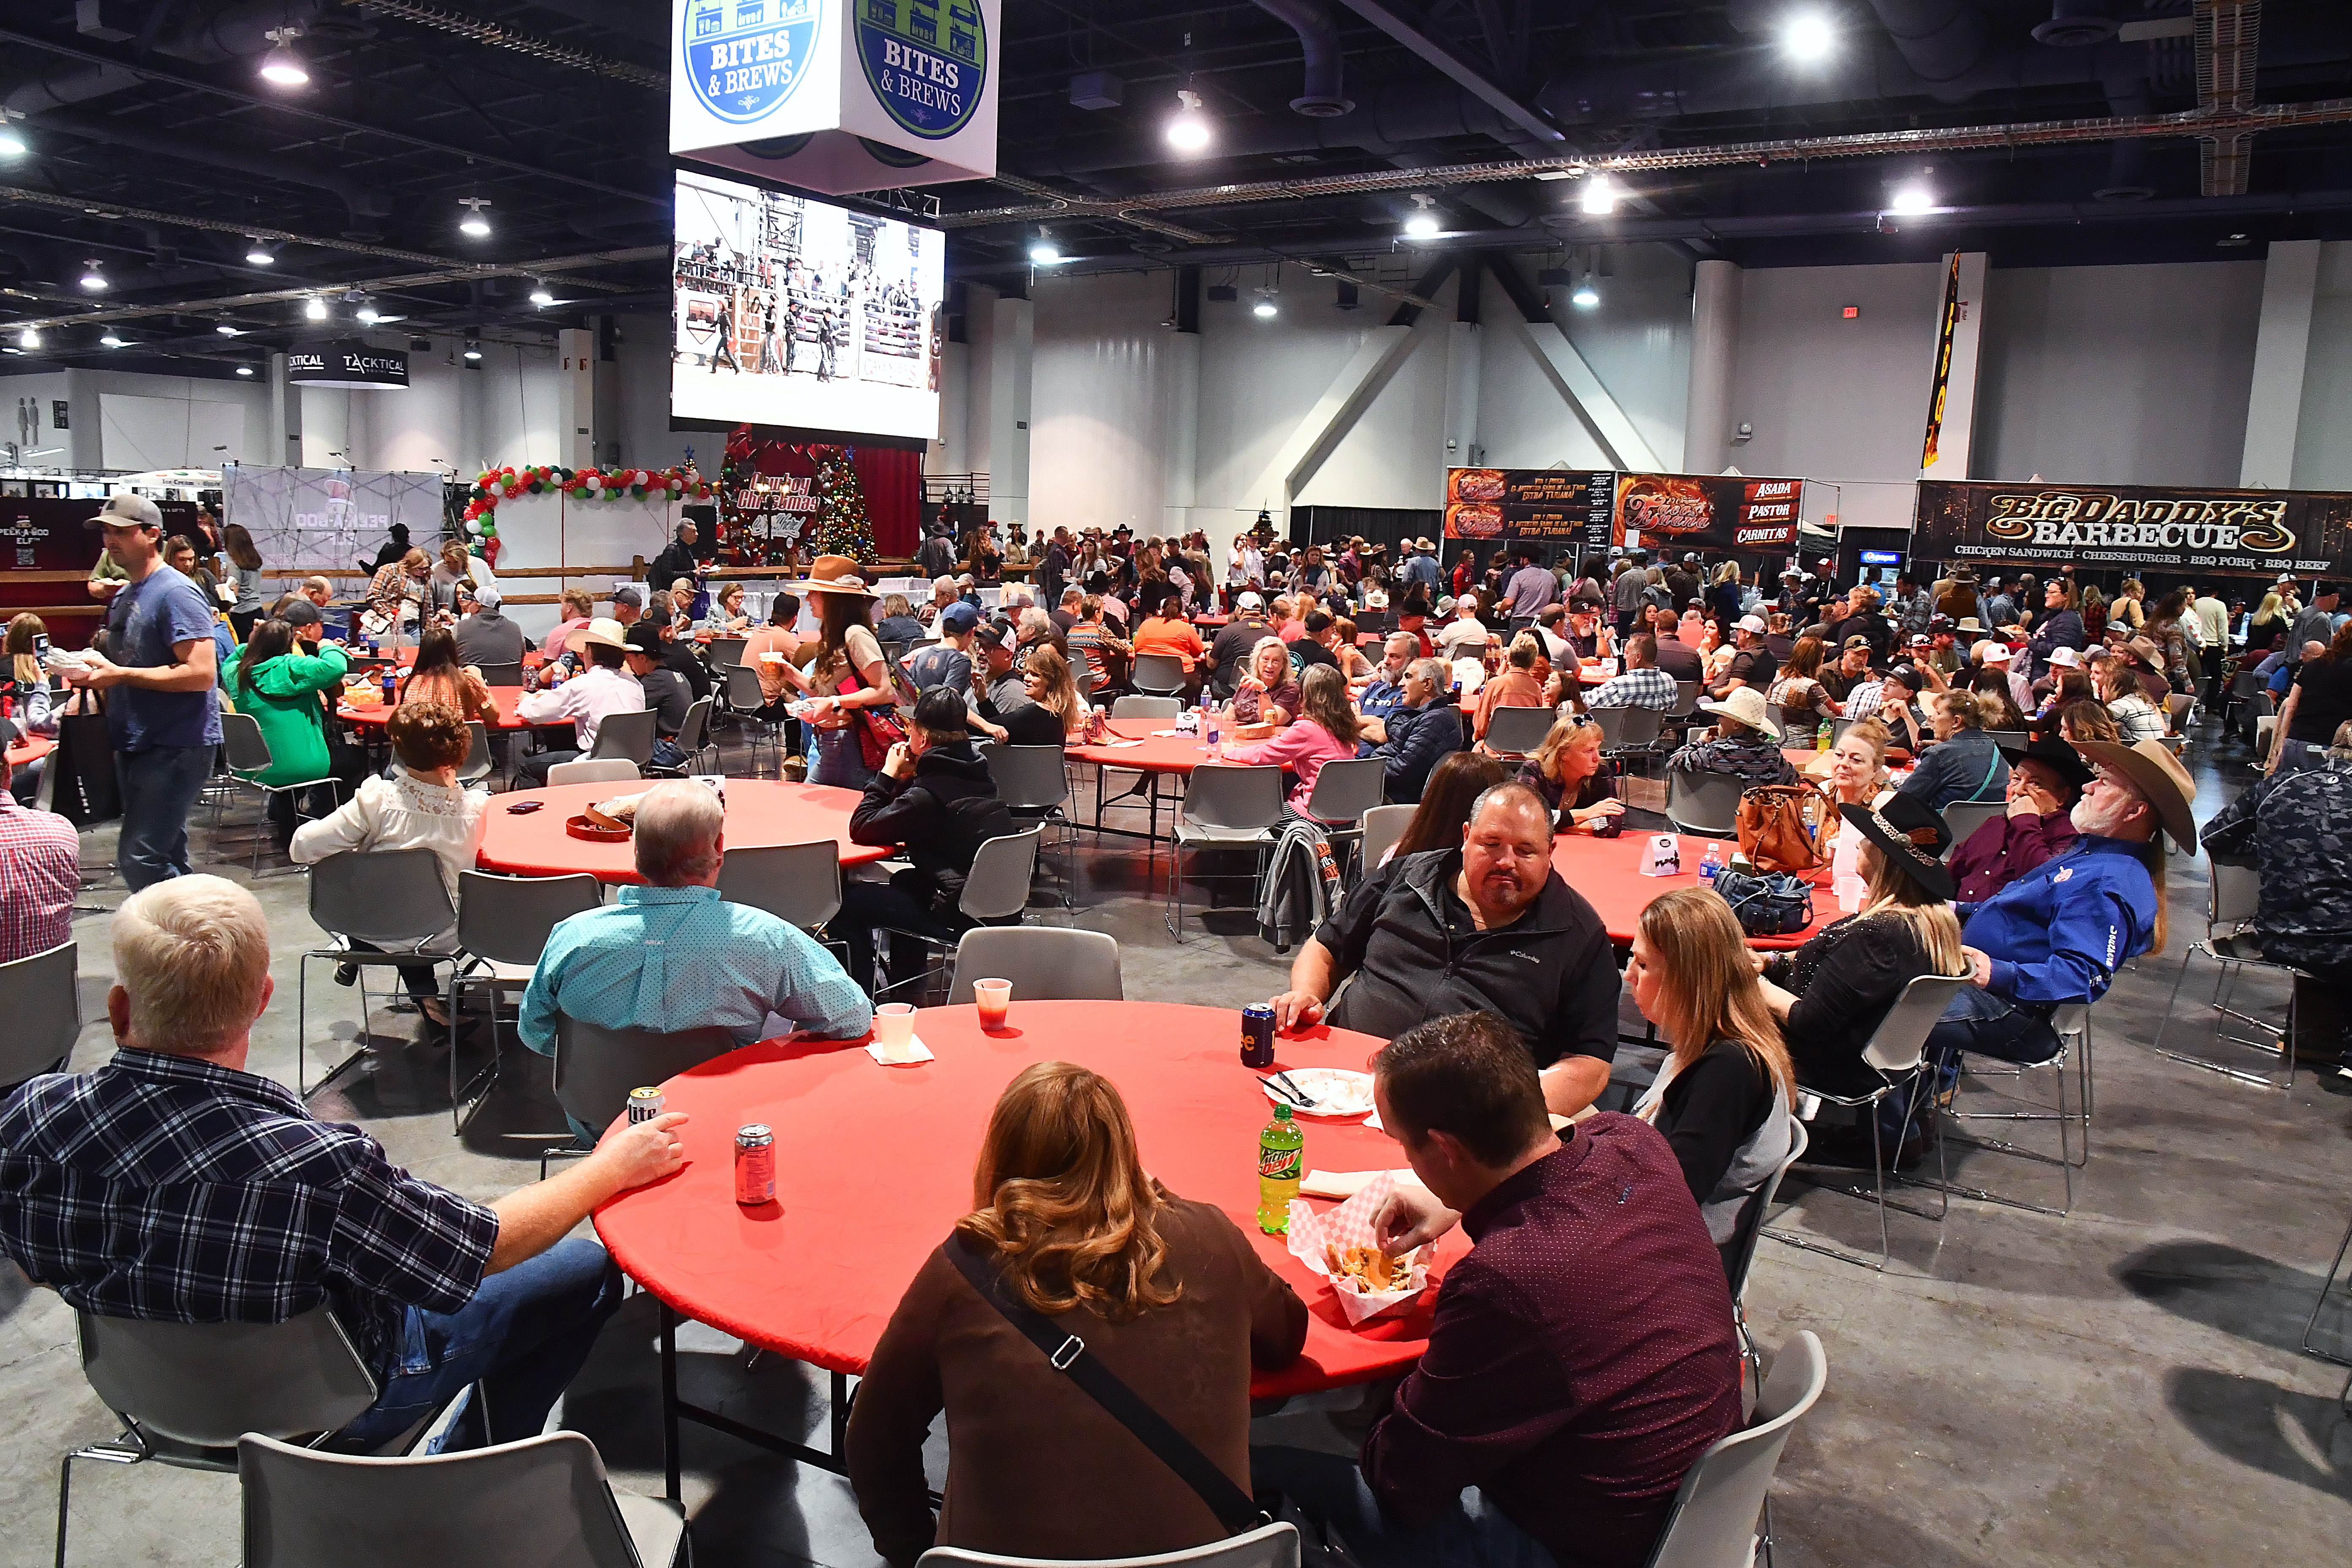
(523, 1336)
(1331, 1490)
(159, 786)
(836, 758)
(1979, 1022)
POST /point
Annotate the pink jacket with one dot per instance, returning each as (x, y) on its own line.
(1302, 747)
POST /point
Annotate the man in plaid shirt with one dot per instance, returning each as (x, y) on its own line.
(173, 1185)
(40, 871)
(1643, 684)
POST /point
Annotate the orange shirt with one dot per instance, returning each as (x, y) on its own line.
(1512, 688)
(770, 640)
(1175, 639)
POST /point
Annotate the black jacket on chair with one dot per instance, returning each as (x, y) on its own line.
(940, 817)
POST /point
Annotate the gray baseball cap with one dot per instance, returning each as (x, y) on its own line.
(124, 508)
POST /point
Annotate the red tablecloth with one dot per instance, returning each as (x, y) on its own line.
(506, 697)
(873, 1166)
(1607, 872)
(408, 655)
(761, 814)
(1592, 672)
(1158, 754)
(29, 750)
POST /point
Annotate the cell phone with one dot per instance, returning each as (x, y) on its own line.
(41, 645)
(524, 807)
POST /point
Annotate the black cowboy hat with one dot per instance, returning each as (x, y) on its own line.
(2055, 753)
(1910, 837)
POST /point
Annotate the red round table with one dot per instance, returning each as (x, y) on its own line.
(30, 749)
(506, 697)
(404, 657)
(873, 1166)
(1607, 871)
(761, 814)
(1157, 756)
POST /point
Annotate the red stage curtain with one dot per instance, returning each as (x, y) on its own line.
(892, 479)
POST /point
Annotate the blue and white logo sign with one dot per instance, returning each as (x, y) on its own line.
(746, 56)
(926, 60)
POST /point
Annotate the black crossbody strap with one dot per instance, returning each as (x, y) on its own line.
(1069, 1356)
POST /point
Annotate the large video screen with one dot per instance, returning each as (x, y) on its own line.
(794, 312)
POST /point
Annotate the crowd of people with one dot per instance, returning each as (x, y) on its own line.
(1582, 1351)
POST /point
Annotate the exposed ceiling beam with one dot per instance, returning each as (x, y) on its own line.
(115, 212)
(499, 35)
(1409, 31)
(2228, 36)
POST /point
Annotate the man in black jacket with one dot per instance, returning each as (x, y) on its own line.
(935, 799)
(666, 694)
(1489, 927)
(1420, 732)
(676, 559)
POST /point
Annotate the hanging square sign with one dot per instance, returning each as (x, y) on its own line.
(836, 96)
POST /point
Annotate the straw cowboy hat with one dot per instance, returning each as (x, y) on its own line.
(602, 632)
(833, 575)
(1911, 836)
(2158, 777)
(1744, 704)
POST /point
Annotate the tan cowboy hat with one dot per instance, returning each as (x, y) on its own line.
(833, 575)
(2158, 777)
(1969, 623)
(1747, 705)
(602, 632)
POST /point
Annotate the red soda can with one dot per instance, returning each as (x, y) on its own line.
(755, 1165)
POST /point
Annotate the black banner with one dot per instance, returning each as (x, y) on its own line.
(1547, 509)
(1721, 512)
(2135, 526)
(347, 364)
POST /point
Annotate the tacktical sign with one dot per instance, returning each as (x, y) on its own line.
(1706, 511)
(348, 365)
(836, 96)
(1548, 509)
(2142, 526)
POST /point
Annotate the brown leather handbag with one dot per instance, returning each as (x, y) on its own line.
(1780, 829)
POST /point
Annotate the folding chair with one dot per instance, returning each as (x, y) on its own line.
(1727, 1492)
(41, 999)
(2176, 711)
(1146, 707)
(1896, 1053)
(393, 900)
(694, 740)
(593, 770)
(1223, 808)
(1268, 1546)
(2015, 739)
(477, 765)
(503, 924)
(1704, 804)
(1158, 675)
(545, 1499)
(744, 699)
(595, 1068)
(625, 735)
(248, 753)
(726, 653)
(1515, 731)
(1638, 731)
(1750, 1233)
(1965, 816)
(1034, 782)
(2071, 1024)
(1045, 964)
(995, 893)
(2233, 900)
(1383, 826)
(800, 884)
(1345, 790)
(502, 674)
(1147, 790)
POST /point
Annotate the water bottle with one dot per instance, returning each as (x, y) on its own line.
(1709, 864)
(1208, 725)
(1281, 1160)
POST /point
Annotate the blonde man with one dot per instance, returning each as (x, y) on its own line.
(173, 1183)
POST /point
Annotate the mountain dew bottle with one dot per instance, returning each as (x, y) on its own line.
(1281, 1160)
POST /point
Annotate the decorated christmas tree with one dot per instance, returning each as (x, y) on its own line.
(842, 525)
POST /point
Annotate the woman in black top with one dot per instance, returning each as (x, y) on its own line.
(1832, 994)
(2318, 704)
(1568, 770)
(1722, 1099)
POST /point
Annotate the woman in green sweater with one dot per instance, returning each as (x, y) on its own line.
(278, 679)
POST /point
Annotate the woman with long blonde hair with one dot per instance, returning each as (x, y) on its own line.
(1723, 1098)
(1163, 1290)
(1568, 771)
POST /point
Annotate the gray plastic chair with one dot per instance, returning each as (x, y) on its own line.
(2233, 899)
(503, 924)
(187, 1392)
(478, 764)
(1224, 807)
(1383, 826)
(593, 770)
(625, 735)
(1965, 816)
(1267, 1546)
(545, 1501)
(1637, 731)
(694, 740)
(1158, 675)
(389, 899)
(502, 674)
(1146, 706)
(2015, 739)
(744, 699)
(1704, 804)
(42, 1002)
(1515, 731)
(1343, 793)
(1896, 1052)
(726, 653)
(248, 752)
(596, 1068)
(1686, 700)
(1034, 782)
(995, 893)
(1713, 1521)
(1750, 1234)
(1045, 964)
(800, 884)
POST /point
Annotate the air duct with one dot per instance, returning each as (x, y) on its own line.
(1941, 40)
(1318, 37)
(2078, 23)
(365, 203)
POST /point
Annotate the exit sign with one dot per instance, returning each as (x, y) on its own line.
(1851, 312)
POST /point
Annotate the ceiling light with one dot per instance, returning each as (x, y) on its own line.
(473, 349)
(92, 277)
(245, 370)
(1043, 252)
(1586, 295)
(473, 223)
(1599, 196)
(1912, 199)
(29, 338)
(229, 330)
(259, 255)
(1422, 222)
(1808, 36)
(12, 140)
(1266, 310)
(281, 66)
(366, 312)
(112, 340)
(541, 294)
(314, 308)
(1189, 130)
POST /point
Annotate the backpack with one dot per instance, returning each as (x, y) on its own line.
(1769, 905)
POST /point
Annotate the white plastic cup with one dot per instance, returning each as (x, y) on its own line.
(894, 1028)
(994, 1000)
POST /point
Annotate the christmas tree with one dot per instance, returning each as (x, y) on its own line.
(842, 525)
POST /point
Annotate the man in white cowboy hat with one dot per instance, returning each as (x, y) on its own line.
(1746, 745)
(601, 689)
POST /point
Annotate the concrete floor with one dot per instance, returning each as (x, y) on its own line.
(2123, 1384)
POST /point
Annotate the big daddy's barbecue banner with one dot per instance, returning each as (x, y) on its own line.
(2301, 531)
(1547, 509)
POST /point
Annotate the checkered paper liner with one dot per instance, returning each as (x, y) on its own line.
(1350, 1225)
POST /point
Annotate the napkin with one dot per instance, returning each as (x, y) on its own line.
(1350, 1225)
(916, 1052)
(1348, 1183)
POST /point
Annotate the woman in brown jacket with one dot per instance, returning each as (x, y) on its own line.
(1166, 1292)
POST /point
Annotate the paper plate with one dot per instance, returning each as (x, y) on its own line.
(1336, 1090)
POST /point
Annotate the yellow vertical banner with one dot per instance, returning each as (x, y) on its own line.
(1945, 329)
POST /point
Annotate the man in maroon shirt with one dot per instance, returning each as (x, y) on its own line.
(1582, 1357)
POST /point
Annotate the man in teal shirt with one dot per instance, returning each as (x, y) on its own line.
(674, 955)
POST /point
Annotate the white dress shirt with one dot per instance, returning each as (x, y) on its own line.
(585, 700)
